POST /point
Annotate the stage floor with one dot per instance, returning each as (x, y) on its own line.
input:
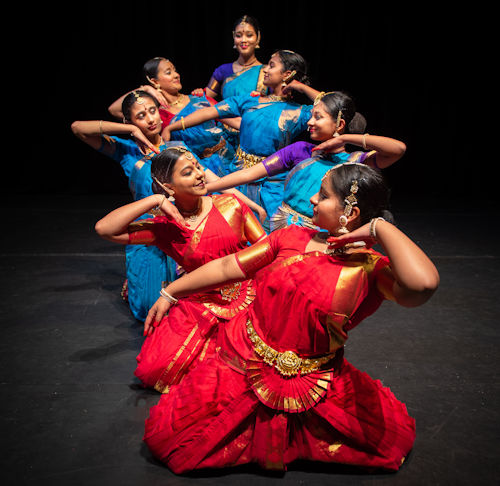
(73, 413)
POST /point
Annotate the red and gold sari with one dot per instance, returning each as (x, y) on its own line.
(187, 335)
(279, 388)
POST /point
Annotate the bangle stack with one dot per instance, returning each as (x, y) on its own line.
(169, 297)
(373, 224)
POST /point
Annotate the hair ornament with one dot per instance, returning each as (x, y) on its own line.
(289, 78)
(339, 117)
(184, 151)
(160, 184)
(351, 200)
(321, 96)
(140, 100)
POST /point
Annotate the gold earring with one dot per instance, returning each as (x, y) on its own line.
(343, 225)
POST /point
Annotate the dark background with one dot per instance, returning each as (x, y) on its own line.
(408, 68)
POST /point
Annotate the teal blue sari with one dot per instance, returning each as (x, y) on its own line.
(209, 141)
(265, 128)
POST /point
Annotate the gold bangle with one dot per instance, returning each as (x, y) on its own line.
(182, 123)
(100, 127)
(364, 140)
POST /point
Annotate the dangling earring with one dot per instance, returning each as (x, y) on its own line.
(343, 225)
(350, 202)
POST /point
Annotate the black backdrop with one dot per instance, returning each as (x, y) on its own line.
(403, 65)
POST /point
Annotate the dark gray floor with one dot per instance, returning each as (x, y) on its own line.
(72, 412)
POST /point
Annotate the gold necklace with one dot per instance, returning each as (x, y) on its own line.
(192, 216)
(177, 101)
(247, 64)
(274, 97)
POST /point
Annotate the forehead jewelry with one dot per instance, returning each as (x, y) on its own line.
(139, 99)
(184, 151)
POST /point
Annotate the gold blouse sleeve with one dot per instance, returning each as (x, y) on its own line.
(252, 228)
(141, 233)
(255, 257)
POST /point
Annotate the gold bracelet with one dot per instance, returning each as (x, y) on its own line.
(364, 140)
(100, 127)
(182, 123)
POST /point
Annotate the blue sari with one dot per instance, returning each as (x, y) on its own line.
(265, 128)
(305, 171)
(209, 141)
(244, 82)
(147, 267)
(227, 83)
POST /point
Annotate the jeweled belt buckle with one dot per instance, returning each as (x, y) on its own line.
(231, 292)
(287, 363)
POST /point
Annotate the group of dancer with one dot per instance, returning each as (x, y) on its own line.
(249, 258)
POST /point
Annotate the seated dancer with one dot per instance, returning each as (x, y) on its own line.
(147, 268)
(335, 122)
(210, 141)
(132, 144)
(214, 226)
(279, 388)
(268, 123)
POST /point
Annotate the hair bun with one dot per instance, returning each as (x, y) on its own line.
(357, 124)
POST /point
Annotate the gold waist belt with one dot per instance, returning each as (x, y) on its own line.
(248, 159)
(209, 151)
(287, 362)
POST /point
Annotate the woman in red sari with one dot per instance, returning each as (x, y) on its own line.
(197, 229)
(279, 388)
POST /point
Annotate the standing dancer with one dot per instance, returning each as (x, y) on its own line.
(132, 144)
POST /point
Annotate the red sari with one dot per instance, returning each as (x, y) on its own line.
(279, 388)
(187, 335)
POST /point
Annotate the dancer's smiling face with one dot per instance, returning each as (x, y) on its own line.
(321, 125)
(167, 77)
(245, 38)
(188, 177)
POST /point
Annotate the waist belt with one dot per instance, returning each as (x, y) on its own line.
(287, 363)
(209, 151)
(248, 160)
